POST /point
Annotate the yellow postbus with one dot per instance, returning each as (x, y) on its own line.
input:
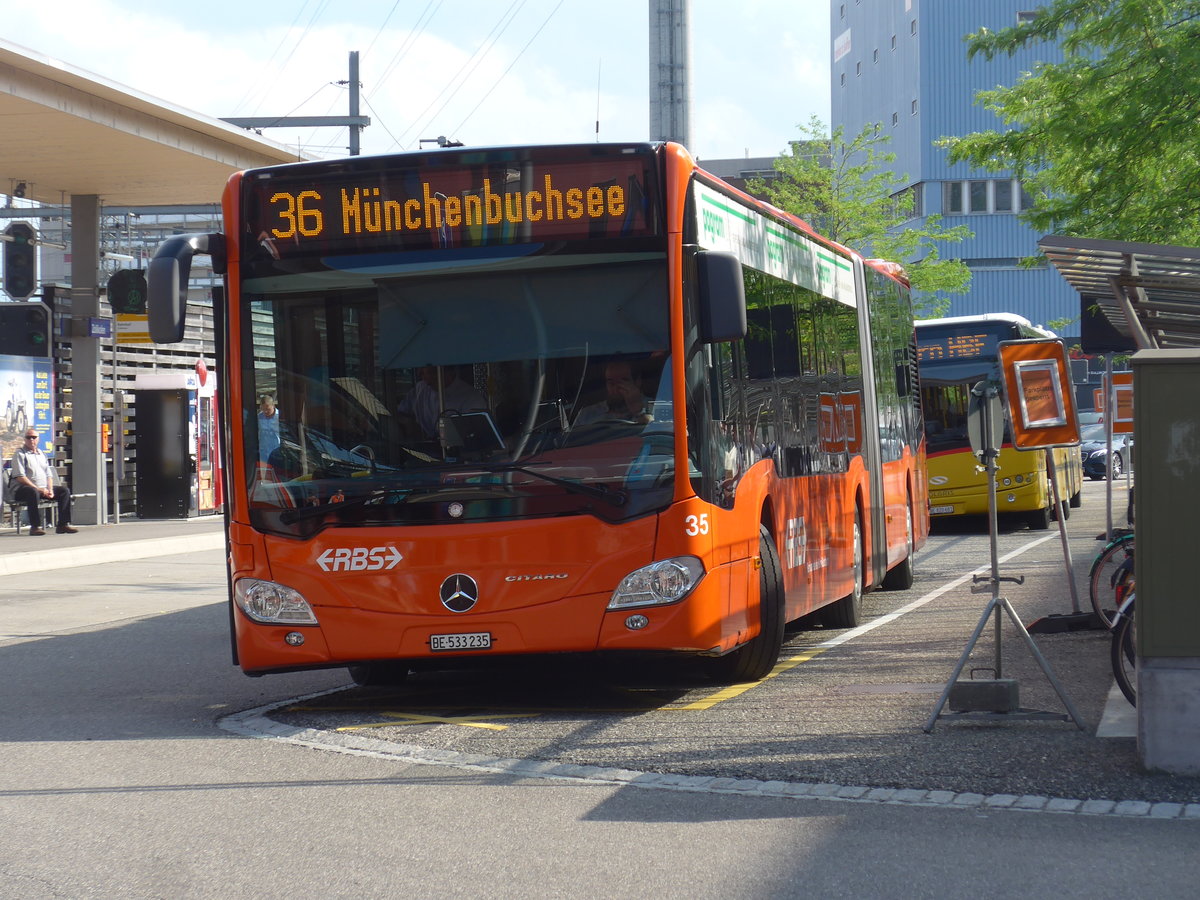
(954, 354)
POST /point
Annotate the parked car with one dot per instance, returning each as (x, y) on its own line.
(1094, 451)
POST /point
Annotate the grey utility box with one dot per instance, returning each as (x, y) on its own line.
(1166, 411)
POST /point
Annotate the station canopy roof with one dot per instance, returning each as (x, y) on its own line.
(1133, 296)
(66, 132)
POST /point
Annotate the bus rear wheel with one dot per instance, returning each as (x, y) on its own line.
(847, 612)
(755, 659)
(901, 577)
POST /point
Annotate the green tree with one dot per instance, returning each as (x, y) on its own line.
(848, 192)
(1105, 141)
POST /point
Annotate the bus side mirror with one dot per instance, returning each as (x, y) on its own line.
(722, 297)
(167, 281)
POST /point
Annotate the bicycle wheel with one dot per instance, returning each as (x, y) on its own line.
(1100, 577)
(1124, 653)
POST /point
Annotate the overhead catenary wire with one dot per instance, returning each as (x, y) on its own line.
(340, 136)
(510, 66)
(257, 83)
(422, 23)
(316, 14)
(473, 61)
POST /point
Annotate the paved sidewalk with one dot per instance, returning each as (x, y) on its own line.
(132, 539)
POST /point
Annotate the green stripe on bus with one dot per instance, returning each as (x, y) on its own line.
(800, 241)
(733, 211)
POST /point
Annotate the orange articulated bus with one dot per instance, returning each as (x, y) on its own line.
(547, 399)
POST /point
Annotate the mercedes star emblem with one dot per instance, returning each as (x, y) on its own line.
(459, 593)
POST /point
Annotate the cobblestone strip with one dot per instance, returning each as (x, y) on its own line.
(255, 723)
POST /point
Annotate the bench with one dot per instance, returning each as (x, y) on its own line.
(14, 510)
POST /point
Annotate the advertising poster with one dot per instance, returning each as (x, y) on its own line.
(27, 396)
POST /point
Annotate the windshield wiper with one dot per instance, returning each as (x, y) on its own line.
(597, 491)
(287, 517)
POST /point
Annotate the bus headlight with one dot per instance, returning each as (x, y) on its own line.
(666, 581)
(272, 604)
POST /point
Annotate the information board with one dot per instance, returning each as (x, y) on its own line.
(1037, 388)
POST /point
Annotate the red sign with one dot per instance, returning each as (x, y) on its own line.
(1037, 385)
(1122, 387)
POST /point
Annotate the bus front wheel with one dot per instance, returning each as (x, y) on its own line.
(757, 657)
(378, 674)
(1039, 519)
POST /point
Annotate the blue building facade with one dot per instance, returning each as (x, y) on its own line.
(903, 65)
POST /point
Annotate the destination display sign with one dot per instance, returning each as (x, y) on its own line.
(949, 346)
(390, 203)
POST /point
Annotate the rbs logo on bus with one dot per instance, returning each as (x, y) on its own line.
(359, 559)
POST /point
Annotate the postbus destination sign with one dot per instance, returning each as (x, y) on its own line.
(388, 203)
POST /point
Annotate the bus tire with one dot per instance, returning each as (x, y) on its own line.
(755, 659)
(1039, 519)
(847, 612)
(378, 674)
(1061, 512)
(901, 577)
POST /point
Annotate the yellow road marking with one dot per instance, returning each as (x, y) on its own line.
(727, 693)
(736, 690)
(421, 719)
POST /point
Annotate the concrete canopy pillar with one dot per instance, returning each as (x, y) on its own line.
(87, 467)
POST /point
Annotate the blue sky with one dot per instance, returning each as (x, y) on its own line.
(479, 71)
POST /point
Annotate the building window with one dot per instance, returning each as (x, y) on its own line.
(858, 68)
(843, 79)
(953, 197)
(1004, 196)
(913, 27)
(893, 42)
(979, 196)
(914, 107)
(895, 119)
(875, 56)
(1024, 17)
(842, 11)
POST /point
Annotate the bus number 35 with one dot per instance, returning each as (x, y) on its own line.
(299, 215)
(694, 525)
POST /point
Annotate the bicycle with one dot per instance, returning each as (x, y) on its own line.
(1124, 647)
(1116, 557)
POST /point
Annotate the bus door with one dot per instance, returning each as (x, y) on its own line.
(868, 435)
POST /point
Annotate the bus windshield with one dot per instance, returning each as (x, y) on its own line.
(953, 359)
(512, 389)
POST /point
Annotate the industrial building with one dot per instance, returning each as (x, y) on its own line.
(902, 65)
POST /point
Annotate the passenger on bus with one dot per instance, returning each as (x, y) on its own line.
(421, 406)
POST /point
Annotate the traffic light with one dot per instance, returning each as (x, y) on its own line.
(24, 329)
(20, 260)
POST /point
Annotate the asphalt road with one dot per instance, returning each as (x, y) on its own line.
(845, 711)
(130, 769)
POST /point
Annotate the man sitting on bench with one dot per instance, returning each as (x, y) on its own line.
(35, 484)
